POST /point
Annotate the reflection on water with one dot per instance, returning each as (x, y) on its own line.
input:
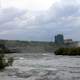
(42, 67)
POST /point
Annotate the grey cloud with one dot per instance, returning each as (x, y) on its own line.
(62, 17)
(9, 14)
(8, 18)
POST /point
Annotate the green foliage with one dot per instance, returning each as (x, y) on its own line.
(4, 61)
(68, 51)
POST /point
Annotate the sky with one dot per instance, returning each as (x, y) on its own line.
(39, 20)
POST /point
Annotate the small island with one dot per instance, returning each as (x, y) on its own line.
(68, 51)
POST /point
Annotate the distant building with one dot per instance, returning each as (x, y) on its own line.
(68, 41)
(76, 44)
(59, 39)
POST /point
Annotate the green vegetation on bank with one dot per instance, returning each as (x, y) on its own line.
(4, 49)
(5, 61)
(17, 46)
(68, 51)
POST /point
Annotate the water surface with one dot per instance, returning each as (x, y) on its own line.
(42, 66)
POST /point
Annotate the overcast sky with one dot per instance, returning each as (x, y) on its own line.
(39, 19)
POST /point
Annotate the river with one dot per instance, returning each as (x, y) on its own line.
(42, 66)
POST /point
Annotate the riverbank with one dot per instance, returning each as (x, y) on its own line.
(75, 51)
(33, 46)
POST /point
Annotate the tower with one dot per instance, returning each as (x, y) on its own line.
(59, 39)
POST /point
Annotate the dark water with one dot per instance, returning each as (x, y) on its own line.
(42, 66)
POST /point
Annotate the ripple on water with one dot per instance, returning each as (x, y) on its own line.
(44, 67)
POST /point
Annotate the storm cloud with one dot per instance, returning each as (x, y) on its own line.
(62, 17)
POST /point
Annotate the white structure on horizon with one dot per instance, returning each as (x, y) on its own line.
(68, 41)
(78, 43)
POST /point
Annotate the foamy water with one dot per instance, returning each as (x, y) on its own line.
(42, 67)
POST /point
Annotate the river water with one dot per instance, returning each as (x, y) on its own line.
(42, 66)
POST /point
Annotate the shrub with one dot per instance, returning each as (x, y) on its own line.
(68, 51)
(4, 61)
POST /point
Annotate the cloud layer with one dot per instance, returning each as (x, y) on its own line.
(62, 17)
